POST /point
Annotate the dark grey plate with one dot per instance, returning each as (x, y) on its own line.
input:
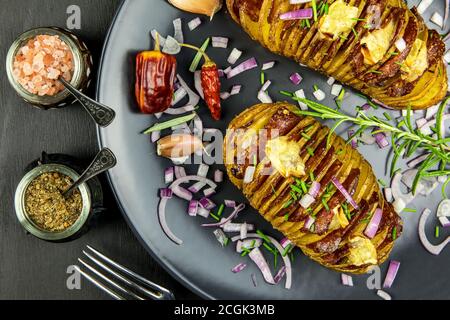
(200, 263)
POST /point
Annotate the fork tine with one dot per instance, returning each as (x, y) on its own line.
(136, 286)
(111, 282)
(164, 293)
(99, 284)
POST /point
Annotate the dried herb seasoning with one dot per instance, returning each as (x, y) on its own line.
(47, 207)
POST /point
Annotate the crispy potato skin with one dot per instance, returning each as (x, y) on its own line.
(269, 192)
(342, 58)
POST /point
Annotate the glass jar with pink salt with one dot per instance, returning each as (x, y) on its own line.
(39, 58)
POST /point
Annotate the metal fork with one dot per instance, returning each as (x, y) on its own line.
(98, 264)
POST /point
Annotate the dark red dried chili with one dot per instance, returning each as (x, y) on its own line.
(155, 78)
(211, 88)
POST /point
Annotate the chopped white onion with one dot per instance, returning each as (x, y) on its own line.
(319, 94)
(266, 85)
(264, 97)
(178, 95)
(249, 174)
(222, 238)
(248, 244)
(388, 194)
(219, 42)
(437, 19)
(178, 35)
(171, 46)
(331, 81)
(202, 212)
(301, 95)
(306, 201)
(234, 56)
(218, 176)
(236, 227)
(268, 65)
(225, 95)
(347, 280)
(194, 23)
(400, 44)
(236, 89)
(336, 89)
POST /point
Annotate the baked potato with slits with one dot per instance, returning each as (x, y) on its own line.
(287, 151)
(357, 42)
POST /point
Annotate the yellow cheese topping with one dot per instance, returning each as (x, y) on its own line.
(417, 61)
(284, 155)
(362, 251)
(376, 43)
(341, 18)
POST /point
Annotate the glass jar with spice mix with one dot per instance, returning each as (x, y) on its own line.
(39, 57)
(41, 207)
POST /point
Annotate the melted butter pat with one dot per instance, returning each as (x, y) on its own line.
(417, 61)
(376, 43)
(285, 157)
(362, 251)
(339, 20)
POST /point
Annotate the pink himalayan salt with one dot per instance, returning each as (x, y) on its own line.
(38, 65)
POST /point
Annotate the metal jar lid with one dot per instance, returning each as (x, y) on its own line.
(82, 59)
(22, 214)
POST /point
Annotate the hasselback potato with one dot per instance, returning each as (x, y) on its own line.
(287, 152)
(378, 47)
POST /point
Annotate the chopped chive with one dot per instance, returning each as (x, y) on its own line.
(287, 204)
(339, 152)
(314, 7)
(245, 252)
(409, 210)
(311, 176)
(293, 196)
(315, 87)
(269, 248)
(400, 64)
(382, 182)
(286, 93)
(304, 135)
(310, 151)
(325, 204)
(387, 116)
(255, 160)
(214, 216)
(358, 19)
(304, 187)
(341, 95)
(273, 190)
(296, 189)
(394, 233)
(226, 241)
(355, 33)
(343, 37)
(393, 53)
(375, 71)
(263, 78)
(346, 211)
(220, 211)
(199, 55)
(262, 235)
(436, 232)
(326, 8)
(308, 24)
(286, 250)
(286, 217)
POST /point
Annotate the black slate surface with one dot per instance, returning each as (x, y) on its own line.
(31, 268)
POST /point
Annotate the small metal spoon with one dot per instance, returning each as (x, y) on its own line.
(102, 115)
(103, 161)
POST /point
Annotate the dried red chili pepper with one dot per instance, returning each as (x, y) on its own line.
(155, 78)
(210, 84)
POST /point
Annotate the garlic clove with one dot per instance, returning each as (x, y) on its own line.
(206, 7)
(178, 146)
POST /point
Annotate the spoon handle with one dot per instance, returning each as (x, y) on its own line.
(102, 115)
(103, 161)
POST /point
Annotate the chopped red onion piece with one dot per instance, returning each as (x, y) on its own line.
(237, 227)
(221, 237)
(344, 192)
(171, 46)
(178, 35)
(258, 258)
(155, 34)
(264, 97)
(384, 295)
(169, 175)
(331, 81)
(233, 215)
(414, 162)
(444, 208)
(218, 176)
(202, 212)
(236, 89)
(227, 70)
(192, 103)
(372, 227)
(193, 208)
(239, 268)
(230, 203)
(163, 222)
(234, 56)
(219, 42)
(365, 106)
(285, 242)
(301, 95)
(381, 140)
(221, 73)
(309, 222)
(178, 95)
(306, 201)
(280, 275)
(180, 172)
(165, 193)
(243, 231)
(203, 170)
(209, 192)
(391, 274)
(297, 14)
(388, 194)
(225, 95)
(194, 23)
(336, 89)
(155, 136)
(207, 203)
(182, 193)
(354, 141)
(196, 187)
(296, 78)
(268, 65)
(314, 189)
(198, 83)
(367, 138)
(244, 66)
(249, 174)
